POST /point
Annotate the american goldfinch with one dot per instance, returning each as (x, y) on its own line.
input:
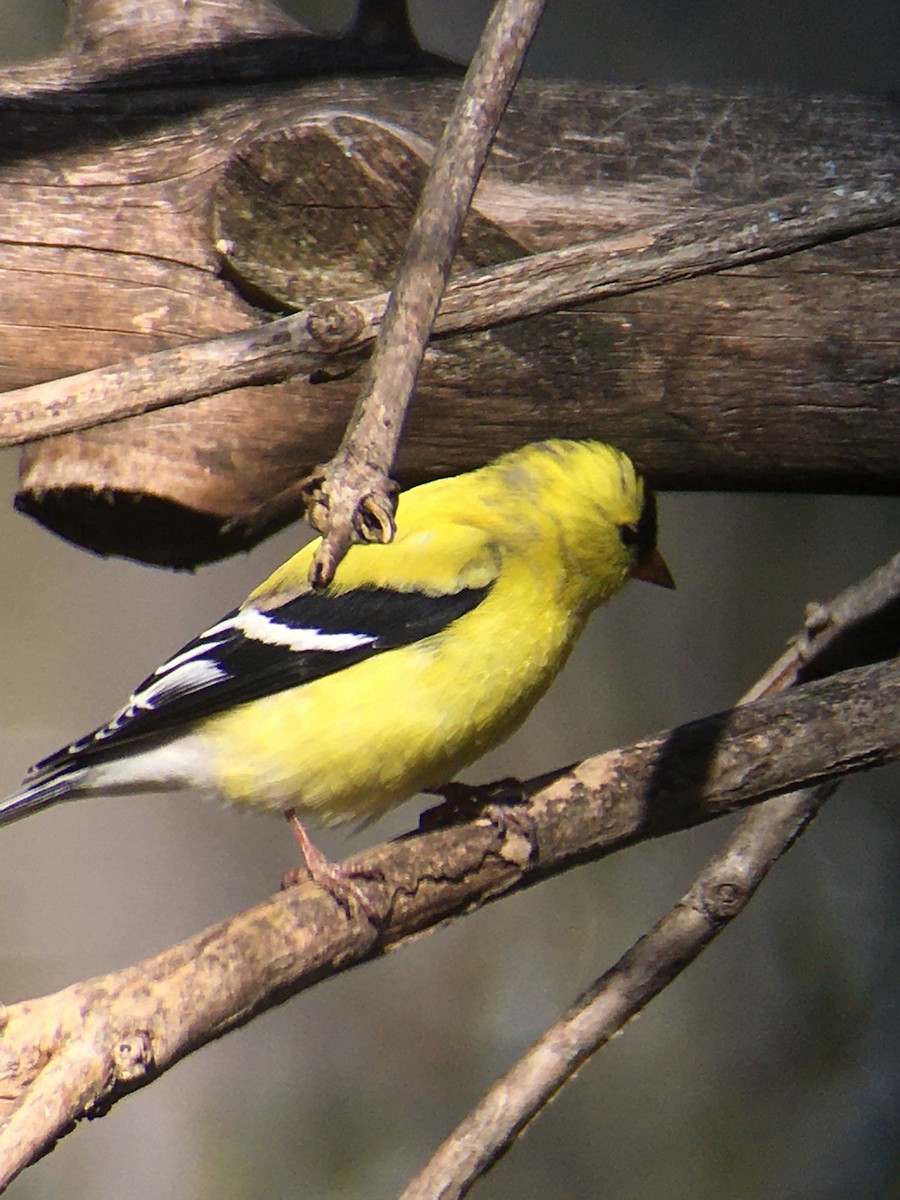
(418, 657)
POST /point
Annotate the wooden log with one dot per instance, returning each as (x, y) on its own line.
(124, 233)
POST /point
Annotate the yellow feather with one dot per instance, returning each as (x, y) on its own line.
(542, 525)
(547, 533)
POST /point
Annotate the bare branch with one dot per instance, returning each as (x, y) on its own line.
(719, 893)
(264, 354)
(351, 497)
(97, 274)
(317, 337)
(97, 1040)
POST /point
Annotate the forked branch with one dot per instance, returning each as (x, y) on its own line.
(719, 894)
(77, 1052)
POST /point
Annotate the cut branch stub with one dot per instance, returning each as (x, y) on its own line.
(324, 211)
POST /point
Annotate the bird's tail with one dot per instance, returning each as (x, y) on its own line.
(40, 794)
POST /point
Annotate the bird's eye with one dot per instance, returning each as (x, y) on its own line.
(630, 535)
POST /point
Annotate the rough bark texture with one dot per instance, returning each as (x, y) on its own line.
(117, 180)
(74, 1053)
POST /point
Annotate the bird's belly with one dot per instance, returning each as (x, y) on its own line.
(411, 719)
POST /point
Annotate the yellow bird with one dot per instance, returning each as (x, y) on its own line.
(421, 654)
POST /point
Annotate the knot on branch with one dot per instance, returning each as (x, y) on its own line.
(723, 898)
(133, 1056)
(334, 324)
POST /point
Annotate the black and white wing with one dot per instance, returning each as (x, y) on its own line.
(253, 653)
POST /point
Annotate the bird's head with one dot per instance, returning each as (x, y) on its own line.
(589, 498)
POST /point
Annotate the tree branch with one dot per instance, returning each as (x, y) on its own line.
(94, 1042)
(718, 894)
(351, 497)
(748, 360)
(316, 338)
(867, 615)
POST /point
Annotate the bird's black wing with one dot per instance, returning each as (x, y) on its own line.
(252, 653)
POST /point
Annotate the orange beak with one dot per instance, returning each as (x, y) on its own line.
(652, 568)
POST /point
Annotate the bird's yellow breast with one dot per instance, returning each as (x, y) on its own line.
(353, 744)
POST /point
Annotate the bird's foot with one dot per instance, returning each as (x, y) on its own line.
(500, 802)
(464, 802)
(329, 876)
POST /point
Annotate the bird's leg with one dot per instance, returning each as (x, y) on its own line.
(329, 876)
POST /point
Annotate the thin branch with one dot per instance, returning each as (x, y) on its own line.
(267, 353)
(719, 894)
(87, 1046)
(311, 340)
(351, 497)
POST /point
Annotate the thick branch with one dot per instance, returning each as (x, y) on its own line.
(768, 375)
(310, 340)
(95, 1041)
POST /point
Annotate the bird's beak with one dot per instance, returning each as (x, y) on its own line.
(652, 568)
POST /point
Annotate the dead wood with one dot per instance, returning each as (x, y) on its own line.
(149, 202)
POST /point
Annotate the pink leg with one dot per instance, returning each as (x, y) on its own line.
(330, 876)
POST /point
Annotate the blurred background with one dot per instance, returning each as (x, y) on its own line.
(770, 1069)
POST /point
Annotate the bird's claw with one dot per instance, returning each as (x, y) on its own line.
(461, 802)
(499, 802)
